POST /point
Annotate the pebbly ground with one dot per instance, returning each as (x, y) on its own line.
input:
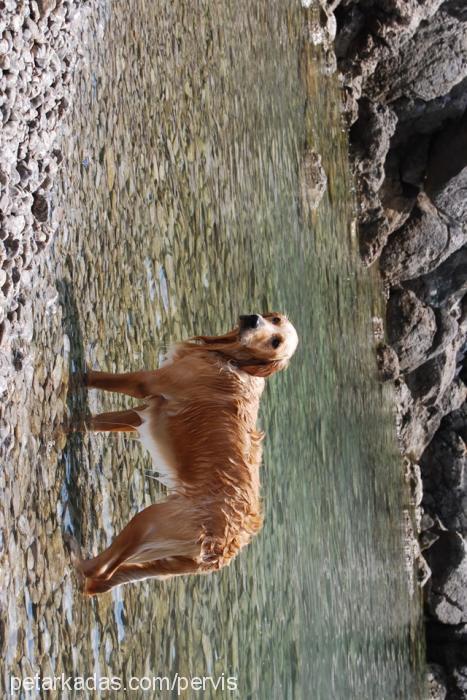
(39, 54)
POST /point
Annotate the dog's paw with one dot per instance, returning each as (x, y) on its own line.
(88, 589)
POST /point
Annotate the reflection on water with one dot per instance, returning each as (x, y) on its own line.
(178, 209)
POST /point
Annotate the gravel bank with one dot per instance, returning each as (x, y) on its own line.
(39, 53)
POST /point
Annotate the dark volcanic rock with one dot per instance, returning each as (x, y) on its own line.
(446, 181)
(447, 608)
(371, 138)
(444, 472)
(447, 329)
(445, 285)
(418, 420)
(447, 559)
(419, 118)
(372, 32)
(424, 242)
(456, 8)
(447, 648)
(429, 381)
(370, 143)
(397, 196)
(457, 421)
(412, 71)
(436, 683)
(388, 362)
(405, 63)
(413, 160)
(411, 327)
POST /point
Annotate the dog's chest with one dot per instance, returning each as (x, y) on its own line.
(162, 456)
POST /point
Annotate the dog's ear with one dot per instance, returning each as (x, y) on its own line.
(212, 341)
(262, 368)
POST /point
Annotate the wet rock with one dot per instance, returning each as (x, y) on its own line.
(414, 480)
(320, 25)
(436, 683)
(313, 181)
(388, 362)
(373, 233)
(414, 560)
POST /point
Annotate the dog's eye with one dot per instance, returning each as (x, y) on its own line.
(276, 341)
(276, 320)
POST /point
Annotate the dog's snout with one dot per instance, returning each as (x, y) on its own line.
(250, 321)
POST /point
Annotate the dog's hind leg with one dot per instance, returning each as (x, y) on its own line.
(116, 421)
(127, 573)
(162, 530)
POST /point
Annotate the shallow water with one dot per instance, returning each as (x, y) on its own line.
(179, 209)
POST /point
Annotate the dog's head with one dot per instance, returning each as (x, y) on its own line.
(260, 345)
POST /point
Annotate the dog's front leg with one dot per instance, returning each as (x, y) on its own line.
(135, 384)
(165, 381)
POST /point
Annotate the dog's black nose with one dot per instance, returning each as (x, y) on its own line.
(251, 321)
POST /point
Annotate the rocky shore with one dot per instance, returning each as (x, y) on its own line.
(403, 66)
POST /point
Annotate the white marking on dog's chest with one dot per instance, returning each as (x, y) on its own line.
(161, 458)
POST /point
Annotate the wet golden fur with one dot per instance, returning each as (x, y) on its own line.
(200, 411)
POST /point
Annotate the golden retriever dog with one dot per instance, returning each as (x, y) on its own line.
(198, 421)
